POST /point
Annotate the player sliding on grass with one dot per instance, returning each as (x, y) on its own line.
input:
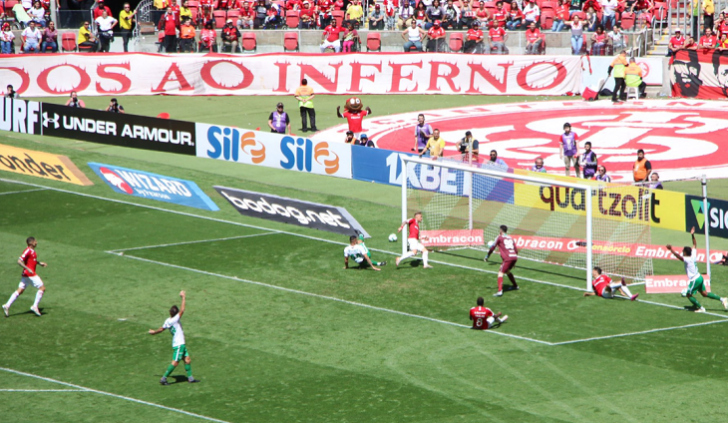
(413, 240)
(695, 279)
(509, 254)
(28, 261)
(483, 318)
(178, 341)
(605, 288)
(359, 253)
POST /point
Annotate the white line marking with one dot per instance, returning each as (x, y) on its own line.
(148, 247)
(44, 390)
(22, 191)
(324, 297)
(638, 333)
(109, 394)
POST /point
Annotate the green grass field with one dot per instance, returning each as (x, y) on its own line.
(278, 331)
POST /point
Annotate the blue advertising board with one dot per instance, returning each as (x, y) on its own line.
(156, 187)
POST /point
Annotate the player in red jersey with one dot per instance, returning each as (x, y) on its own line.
(509, 254)
(354, 118)
(413, 240)
(483, 317)
(28, 261)
(603, 286)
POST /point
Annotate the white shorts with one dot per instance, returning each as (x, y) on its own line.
(415, 244)
(336, 45)
(30, 280)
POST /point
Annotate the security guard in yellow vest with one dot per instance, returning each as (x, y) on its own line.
(633, 77)
(619, 64)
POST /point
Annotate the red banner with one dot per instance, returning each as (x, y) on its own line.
(700, 74)
(444, 238)
(669, 284)
(280, 74)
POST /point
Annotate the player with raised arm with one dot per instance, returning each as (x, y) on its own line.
(695, 279)
(509, 254)
(602, 286)
(178, 341)
(28, 261)
(413, 240)
(358, 253)
(483, 317)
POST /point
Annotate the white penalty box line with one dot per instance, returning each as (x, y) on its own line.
(201, 241)
(230, 222)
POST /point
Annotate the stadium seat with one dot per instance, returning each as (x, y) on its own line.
(548, 5)
(646, 19)
(292, 18)
(374, 41)
(456, 42)
(547, 19)
(339, 16)
(68, 42)
(193, 3)
(581, 15)
(234, 15)
(219, 16)
(194, 11)
(290, 41)
(627, 20)
(488, 5)
(250, 42)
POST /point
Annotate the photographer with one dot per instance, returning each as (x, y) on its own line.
(74, 101)
(115, 107)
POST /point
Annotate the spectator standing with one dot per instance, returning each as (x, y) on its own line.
(531, 13)
(11, 93)
(533, 39)
(74, 101)
(230, 36)
(655, 181)
(496, 161)
(577, 34)
(569, 150)
(350, 37)
(126, 23)
(208, 38)
(376, 18)
(169, 24)
(304, 94)
(538, 165)
(86, 38)
(330, 37)
(100, 8)
(50, 38)
(278, 121)
(436, 37)
(364, 141)
(7, 38)
(434, 13)
(473, 39)
(105, 24)
(451, 18)
(37, 13)
(616, 37)
(423, 132)
(435, 146)
(413, 36)
(616, 69)
(708, 9)
(469, 147)
(599, 41)
(588, 161)
(515, 18)
(562, 15)
(497, 36)
(633, 77)
(602, 175)
(115, 107)
(642, 167)
(187, 35)
(609, 8)
(31, 38)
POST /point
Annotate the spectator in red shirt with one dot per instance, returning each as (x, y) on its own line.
(533, 39)
(330, 38)
(100, 8)
(562, 15)
(709, 40)
(169, 24)
(599, 41)
(208, 38)
(690, 43)
(483, 15)
(593, 4)
(497, 37)
(325, 7)
(294, 5)
(676, 43)
(501, 14)
(247, 16)
(308, 16)
(473, 39)
(230, 36)
(436, 37)
(515, 18)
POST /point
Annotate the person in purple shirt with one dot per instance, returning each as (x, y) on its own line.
(278, 121)
(602, 175)
(588, 161)
(496, 162)
(423, 132)
(538, 166)
(569, 149)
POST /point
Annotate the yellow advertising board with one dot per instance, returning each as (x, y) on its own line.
(40, 164)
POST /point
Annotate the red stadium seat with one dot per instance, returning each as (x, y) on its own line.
(549, 5)
(374, 41)
(68, 41)
(456, 42)
(290, 41)
(339, 16)
(250, 42)
(234, 15)
(292, 18)
(547, 19)
(219, 16)
(627, 20)
(581, 15)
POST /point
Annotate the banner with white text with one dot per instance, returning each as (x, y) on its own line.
(280, 74)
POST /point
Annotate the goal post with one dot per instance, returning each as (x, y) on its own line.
(553, 219)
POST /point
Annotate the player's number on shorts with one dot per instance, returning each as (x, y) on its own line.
(508, 244)
(479, 322)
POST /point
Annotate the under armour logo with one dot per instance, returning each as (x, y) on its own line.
(46, 120)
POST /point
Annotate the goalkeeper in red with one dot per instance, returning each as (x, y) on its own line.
(509, 254)
(602, 286)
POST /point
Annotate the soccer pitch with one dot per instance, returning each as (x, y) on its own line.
(279, 331)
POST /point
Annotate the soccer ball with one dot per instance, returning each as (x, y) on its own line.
(392, 238)
(684, 292)
(491, 244)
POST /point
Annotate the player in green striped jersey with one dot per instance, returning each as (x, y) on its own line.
(178, 341)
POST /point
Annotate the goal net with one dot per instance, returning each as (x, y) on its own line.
(550, 217)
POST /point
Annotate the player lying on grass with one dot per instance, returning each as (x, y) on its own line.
(695, 279)
(178, 341)
(483, 317)
(369, 253)
(509, 254)
(603, 286)
(28, 261)
(359, 253)
(413, 241)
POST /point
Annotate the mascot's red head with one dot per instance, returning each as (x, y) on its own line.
(353, 105)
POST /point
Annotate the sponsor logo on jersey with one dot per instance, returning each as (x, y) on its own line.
(42, 165)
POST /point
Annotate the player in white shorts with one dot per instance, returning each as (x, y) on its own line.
(28, 261)
(413, 241)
